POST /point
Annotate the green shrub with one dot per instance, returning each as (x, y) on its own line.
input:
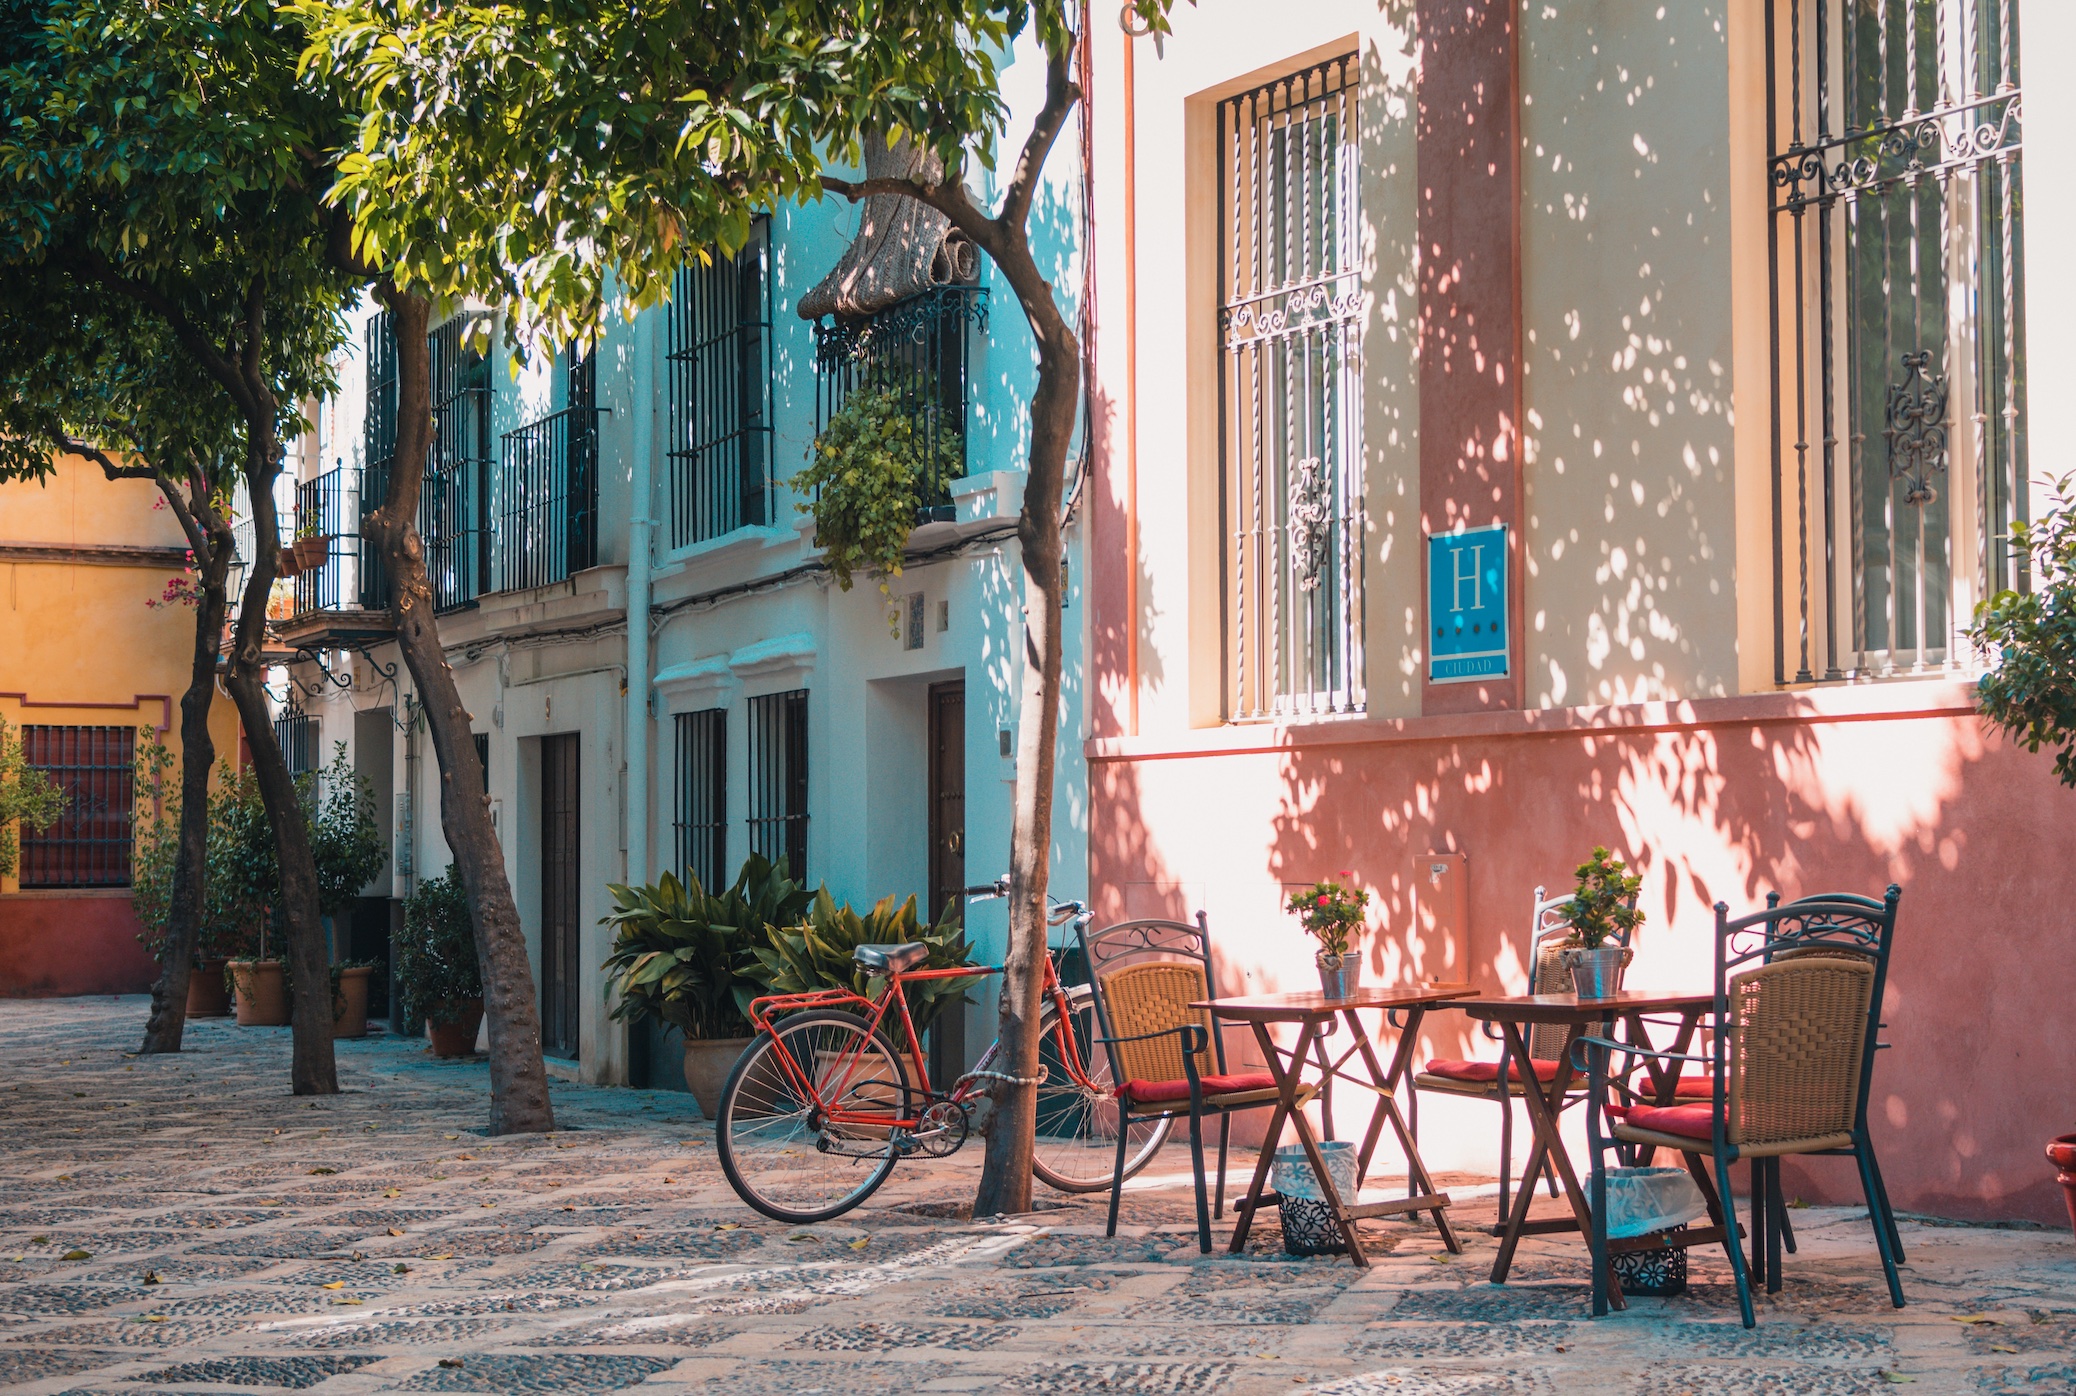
(863, 482)
(2029, 639)
(27, 796)
(688, 958)
(436, 967)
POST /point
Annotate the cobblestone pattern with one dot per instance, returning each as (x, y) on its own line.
(236, 1238)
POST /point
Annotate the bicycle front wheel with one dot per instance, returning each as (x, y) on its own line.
(779, 1152)
(1076, 1147)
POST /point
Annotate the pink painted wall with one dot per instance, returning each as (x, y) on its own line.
(1722, 799)
(52, 946)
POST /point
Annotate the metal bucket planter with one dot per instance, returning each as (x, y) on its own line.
(1339, 975)
(1596, 974)
(1309, 1227)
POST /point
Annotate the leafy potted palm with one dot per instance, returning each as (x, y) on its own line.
(346, 843)
(436, 975)
(687, 958)
(1331, 912)
(817, 954)
(1603, 913)
(2028, 642)
(244, 873)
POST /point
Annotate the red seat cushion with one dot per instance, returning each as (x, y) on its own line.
(1163, 1092)
(1695, 1088)
(1452, 1070)
(1686, 1121)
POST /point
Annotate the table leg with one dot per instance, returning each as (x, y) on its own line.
(1326, 1082)
(1418, 1181)
(1247, 1206)
(1332, 1194)
(1542, 1117)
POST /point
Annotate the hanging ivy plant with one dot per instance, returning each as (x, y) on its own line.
(863, 482)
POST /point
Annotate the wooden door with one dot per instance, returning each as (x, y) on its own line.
(947, 799)
(560, 932)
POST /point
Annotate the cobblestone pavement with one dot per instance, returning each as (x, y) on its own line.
(182, 1224)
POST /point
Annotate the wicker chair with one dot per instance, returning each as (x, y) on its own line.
(1503, 1081)
(1796, 1020)
(1166, 1056)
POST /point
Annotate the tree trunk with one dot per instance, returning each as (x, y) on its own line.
(1005, 1179)
(168, 1021)
(519, 1101)
(314, 1071)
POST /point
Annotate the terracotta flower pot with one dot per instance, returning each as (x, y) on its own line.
(707, 1064)
(862, 1093)
(2062, 1154)
(206, 995)
(350, 1006)
(288, 564)
(310, 552)
(262, 993)
(454, 1027)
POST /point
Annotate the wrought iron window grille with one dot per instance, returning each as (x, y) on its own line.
(545, 508)
(921, 349)
(89, 845)
(778, 778)
(454, 510)
(1290, 441)
(295, 732)
(1897, 259)
(701, 797)
(719, 368)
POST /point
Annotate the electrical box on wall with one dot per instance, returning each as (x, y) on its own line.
(1441, 914)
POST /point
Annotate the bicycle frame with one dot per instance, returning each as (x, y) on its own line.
(762, 1019)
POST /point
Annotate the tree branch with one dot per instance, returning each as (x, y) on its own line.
(212, 359)
(1060, 96)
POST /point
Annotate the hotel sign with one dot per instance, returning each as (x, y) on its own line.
(1467, 605)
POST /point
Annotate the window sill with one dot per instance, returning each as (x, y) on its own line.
(749, 538)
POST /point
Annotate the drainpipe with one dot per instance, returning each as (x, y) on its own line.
(641, 531)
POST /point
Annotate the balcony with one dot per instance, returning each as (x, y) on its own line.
(343, 601)
(921, 346)
(544, 514)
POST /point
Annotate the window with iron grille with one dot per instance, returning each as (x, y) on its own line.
(454, 510)
(702, 796)
(295, 732)
(1290, 440)
(378, 450)
(1899, 450)
(720, 395)
(89, 844)
(778, 778)
(545, 514)
(918, 349)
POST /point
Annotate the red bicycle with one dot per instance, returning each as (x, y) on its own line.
(823, 1104)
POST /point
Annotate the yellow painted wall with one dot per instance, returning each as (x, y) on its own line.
(78, 644)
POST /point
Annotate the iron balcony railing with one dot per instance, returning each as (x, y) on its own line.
(330, 507)
(544, 516)
(920, 349)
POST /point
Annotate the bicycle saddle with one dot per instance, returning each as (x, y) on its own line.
(891, 959)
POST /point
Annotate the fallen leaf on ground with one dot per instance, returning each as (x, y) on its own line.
(396, 1231)
(1998, 1347)
(1896, 1378)
(450, 1362)
(39, 1240)
(322, 1171)
(393, 1192)
(861, 1243)
(452, 1136)
(796, 1236)
(441, 1256)
(343, 1300)
(1973, 1318)
(728, 1226)
(77, 1255)
(335, 1284)
(153, 1318)
(151, 1277)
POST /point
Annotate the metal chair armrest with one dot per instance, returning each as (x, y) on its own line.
(1194, 1040)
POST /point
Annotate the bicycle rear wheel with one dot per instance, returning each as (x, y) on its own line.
(777, 1151)
(1076, 1147)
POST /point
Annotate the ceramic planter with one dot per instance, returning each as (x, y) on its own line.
(350, 1004)
(288, 564)
(453, 1025)
(2062, 1154)
(707, 1064)
(310, 552)
(1596, 974)
(1339, 975)
(262, 993)
(206, 995)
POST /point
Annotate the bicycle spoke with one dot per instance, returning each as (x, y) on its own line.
(780, 1154)
(1076, 1147)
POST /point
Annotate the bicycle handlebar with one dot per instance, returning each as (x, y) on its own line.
(1058, 914)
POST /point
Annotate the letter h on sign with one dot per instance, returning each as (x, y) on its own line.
(1467, 605)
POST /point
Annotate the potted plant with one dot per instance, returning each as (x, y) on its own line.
(243, 873)
(868, 473)
(1603, 913)
(2027, 640)
(311, 545)
(1331, 912)
(683, 957)
(436, 974)
(816, 953)
(350, 996)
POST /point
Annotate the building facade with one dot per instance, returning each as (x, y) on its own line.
(95, 651)
(663, 674)
(1535, 426)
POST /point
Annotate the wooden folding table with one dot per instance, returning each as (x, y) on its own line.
(1314, 1015)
